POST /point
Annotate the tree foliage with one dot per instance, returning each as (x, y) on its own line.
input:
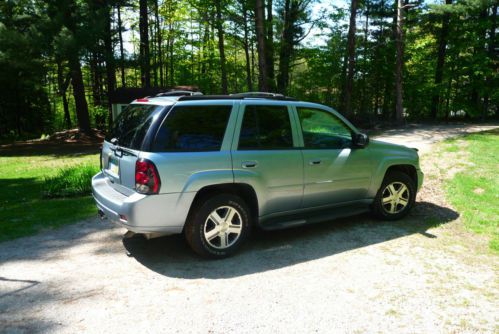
(61, 60)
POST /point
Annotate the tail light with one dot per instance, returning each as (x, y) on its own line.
(146, 177)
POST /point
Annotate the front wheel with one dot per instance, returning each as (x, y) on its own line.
(218, 226)
(395, 197)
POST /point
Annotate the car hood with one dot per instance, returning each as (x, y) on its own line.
(379, 145)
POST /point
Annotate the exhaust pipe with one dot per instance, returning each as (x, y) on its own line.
(101, 214)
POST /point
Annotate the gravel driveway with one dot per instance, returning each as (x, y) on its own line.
(424, 274)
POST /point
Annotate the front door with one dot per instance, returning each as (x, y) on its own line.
(335, 171)
(266, 156)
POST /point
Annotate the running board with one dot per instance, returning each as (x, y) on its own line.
(289, 221)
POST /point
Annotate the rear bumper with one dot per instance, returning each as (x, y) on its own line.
(162, 213)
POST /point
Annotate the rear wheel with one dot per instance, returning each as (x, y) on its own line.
(218, 226)
(395, 197)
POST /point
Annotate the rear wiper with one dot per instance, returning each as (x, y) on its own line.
(127, 151)
(120, 149)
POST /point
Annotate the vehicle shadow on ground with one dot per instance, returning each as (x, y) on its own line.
(171, 256)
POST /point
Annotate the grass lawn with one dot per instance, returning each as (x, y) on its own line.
(24, 210)
(475, 191)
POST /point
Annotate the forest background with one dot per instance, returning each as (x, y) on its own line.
(376, 61)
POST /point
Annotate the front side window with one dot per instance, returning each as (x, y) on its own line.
(323, 130)
(193, 129)
(265, 128)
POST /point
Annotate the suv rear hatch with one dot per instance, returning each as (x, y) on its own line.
(122, 146)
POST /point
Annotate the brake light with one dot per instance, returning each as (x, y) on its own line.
(144, 99)
(146, 177)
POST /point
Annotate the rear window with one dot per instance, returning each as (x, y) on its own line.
(131, 126)
(193, 129)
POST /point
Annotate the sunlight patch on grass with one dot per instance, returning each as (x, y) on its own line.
(475, 191)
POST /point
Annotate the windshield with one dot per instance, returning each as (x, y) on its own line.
(131, 126)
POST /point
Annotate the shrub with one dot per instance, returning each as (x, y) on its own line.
(70, 181)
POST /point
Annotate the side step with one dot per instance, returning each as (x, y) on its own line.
(289, 221)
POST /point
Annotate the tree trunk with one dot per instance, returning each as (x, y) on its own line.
(193, 62)
(253, 66)
(448, 95)
(62, 88)
(286, 48)
(269, 56)
(263, 84)
(159, 41)
(79, 94)
(73, 58)
(399, 116)
(249, 79)
(365, 98)
(221, 46)
(122, 55)
(65, 106)
(172, 64)
(491, 52)
(206, 50)
(153, 54)
(169, 45)
(145, 73)
(110, 66)
(439, 70)
(476, 77)
(347, 102)
(95, 78)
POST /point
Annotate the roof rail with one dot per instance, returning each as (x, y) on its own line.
(238, 96)
(174, 92)
(257, 95)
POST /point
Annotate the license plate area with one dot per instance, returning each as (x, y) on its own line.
(113, 167)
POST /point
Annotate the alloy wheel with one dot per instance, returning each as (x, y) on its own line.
(223, 227)
(395, 197)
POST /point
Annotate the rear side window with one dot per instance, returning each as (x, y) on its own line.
(193, 129)
(132, 124)
(265, 128)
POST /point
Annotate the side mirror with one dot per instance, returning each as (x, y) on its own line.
(360, 140)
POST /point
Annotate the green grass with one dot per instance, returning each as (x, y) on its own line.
(70, 181)
(24, 183)
(475, 191)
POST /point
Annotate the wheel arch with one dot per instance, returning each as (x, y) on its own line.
(410, 170)
(243, 190)
(383, 169)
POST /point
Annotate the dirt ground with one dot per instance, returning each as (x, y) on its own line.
(424, 274)
(60, 143)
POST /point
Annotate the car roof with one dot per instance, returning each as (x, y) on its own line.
(270, 98)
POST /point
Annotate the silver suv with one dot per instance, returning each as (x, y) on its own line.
(213, 167)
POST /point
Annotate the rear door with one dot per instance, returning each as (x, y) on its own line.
(124, 143)
(265, 154)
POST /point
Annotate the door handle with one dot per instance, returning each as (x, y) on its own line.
(315, 162)
(249, 164)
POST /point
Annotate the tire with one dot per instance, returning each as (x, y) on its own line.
(210, 233)
(393, 201)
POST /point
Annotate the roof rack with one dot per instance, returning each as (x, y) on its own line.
(238, 96)
(257, 95)
(174, 92)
